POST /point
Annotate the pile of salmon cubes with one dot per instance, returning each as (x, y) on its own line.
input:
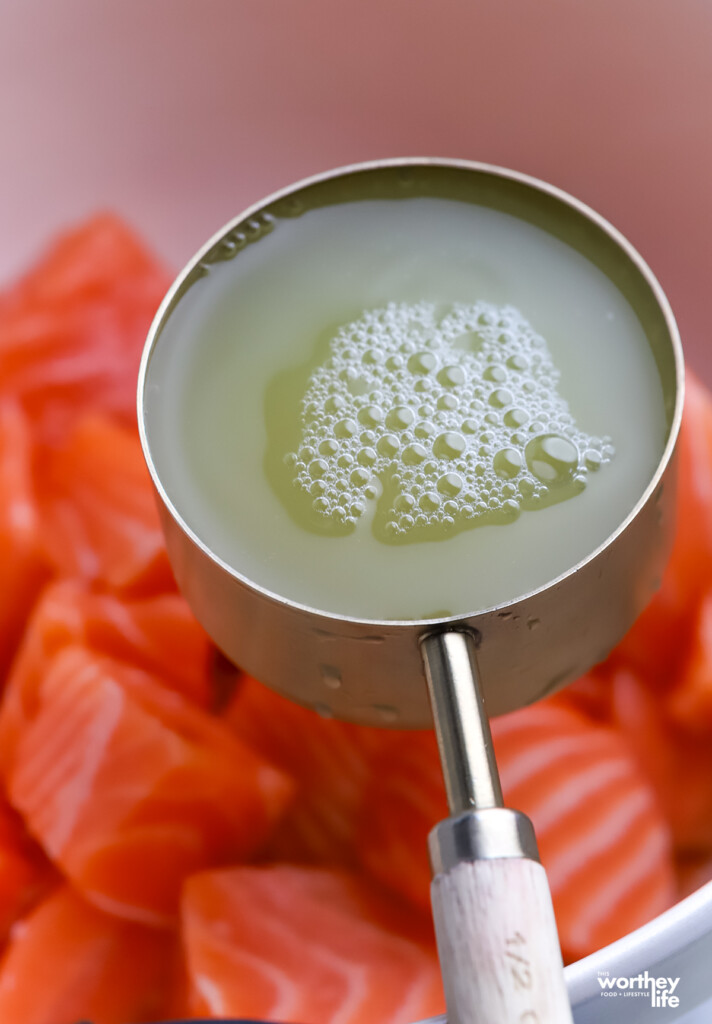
(177, 840)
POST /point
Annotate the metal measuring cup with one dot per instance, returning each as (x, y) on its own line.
(494, 922)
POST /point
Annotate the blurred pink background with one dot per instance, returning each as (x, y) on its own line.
(177, 113)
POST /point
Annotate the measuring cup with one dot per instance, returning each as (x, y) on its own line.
(494, 923)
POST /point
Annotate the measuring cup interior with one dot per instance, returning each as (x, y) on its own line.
(369, 670)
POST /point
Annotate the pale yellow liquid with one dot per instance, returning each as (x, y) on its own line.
(229, 380)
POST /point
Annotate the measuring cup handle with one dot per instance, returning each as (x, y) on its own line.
(498, 945)
(499, 950)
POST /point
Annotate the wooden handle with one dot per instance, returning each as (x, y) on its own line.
(498, 946)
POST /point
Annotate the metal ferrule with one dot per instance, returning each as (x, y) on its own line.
(481, 835)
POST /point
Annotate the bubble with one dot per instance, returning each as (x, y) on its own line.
(516, 417)
(388, 445)
(449, 445)
(450, 484)
(451, 376)
(517, 362)
(508, 463)
(448, 402)
(373, 356)
(425, 429)
(430, 501)
(367, 456)
(357, 385)
(468, 341)
(414, 454)
(404, 503)
(318, 468)
(400, 418)
(409, 391)
(370, 416)
(335, 404)
(501, 397)
(551, 458)
(345, 428)
(422, 362)
(360, 477)
(495, 373)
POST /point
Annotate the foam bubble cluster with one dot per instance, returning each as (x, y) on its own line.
(438, 420)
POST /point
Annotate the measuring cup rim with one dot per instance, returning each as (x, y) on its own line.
(554, 192)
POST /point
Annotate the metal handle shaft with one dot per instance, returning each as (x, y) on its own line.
(461, 723)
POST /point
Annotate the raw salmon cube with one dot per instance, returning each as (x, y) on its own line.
(303, 944)
(130, 789)
(69, 962)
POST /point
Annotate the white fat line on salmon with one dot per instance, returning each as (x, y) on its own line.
(661, 989)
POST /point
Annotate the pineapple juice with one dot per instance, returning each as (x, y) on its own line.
(403, 408)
